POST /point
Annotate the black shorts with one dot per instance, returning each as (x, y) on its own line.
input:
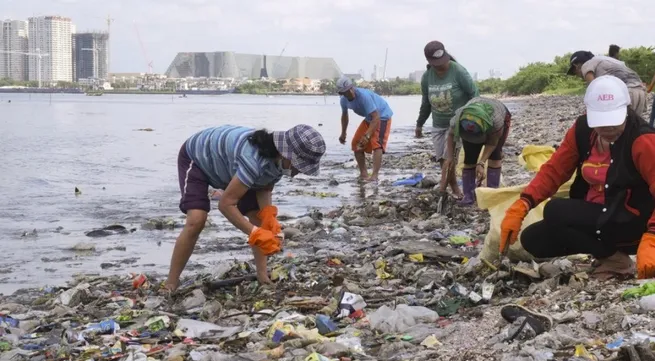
(472, 150)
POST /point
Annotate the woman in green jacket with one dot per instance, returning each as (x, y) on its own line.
(446, 87)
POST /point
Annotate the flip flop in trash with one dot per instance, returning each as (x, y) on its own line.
(540, 323)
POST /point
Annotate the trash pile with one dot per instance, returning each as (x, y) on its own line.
(386, 279)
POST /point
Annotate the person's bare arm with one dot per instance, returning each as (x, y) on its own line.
(344, 121)
(589, 77)
(375, 124)
(448, 162)
(265, 197)
(228, 205)
(490, 145)
(652, 83)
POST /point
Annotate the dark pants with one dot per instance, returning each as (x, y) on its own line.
(194, 186)
(652, 113)
(569, 227)
(472, 150)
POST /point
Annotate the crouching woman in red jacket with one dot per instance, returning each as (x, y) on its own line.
(610, 210)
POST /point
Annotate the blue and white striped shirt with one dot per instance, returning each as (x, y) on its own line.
(223, 152)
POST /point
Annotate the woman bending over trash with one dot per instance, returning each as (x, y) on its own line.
(482, 123)
(446, 87)
(610, 211)
(587, 66)
(246, 164)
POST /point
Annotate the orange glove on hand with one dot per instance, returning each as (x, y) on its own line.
(264, 240)
(512, 222)
(268, 215)
(646, 256)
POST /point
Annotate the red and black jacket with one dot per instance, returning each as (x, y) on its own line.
(630, 183)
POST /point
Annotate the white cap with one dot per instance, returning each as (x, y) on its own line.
(607, 99)
(344, 84)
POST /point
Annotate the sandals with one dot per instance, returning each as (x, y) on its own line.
(540, 323)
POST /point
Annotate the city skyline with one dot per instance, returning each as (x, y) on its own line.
(481, 35)
(49, 49)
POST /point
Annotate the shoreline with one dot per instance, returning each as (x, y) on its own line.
(391, 248)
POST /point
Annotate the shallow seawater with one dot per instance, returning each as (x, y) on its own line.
(52, 144)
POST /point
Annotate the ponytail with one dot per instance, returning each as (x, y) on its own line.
(263, 140)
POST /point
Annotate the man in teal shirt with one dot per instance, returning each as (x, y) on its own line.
(373, 132)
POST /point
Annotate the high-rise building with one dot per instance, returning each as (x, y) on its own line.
(416, 76)
(13, 40)
(90, 55)
(52, 37)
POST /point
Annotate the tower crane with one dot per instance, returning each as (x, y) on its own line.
(38, 55)
(277, 63)
(143, 49)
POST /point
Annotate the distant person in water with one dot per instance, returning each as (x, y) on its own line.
(245, 163)
(446, 86)
(373, 132)
(482, 125)
(614, 51)
(584, 64)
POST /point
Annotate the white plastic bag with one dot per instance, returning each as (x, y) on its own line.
(388, 320)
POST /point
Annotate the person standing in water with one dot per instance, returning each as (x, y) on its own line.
(373, 131)
(246, 163)
(446, 86)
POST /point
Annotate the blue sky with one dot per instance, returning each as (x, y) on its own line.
(482, 34)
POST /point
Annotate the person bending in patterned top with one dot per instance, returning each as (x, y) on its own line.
(610, 210)
(246, 164)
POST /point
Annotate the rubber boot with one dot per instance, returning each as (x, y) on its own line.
(468, 186)
(493, 177)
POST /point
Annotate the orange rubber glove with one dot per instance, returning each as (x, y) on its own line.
(512, 222)
(268, 215)
(646, 256)
(264, 240)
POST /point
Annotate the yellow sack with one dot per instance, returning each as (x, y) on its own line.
(497, 201)
(533, 156)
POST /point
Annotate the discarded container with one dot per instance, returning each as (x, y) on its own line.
(139, 281)
(103, 328)
(325, 325)
(474, 297)
(10, 321)
(487, 291)
(351, 303)
(459, 290)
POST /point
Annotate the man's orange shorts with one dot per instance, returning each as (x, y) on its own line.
(378, 140)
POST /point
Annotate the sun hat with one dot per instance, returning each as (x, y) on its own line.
(303, 146)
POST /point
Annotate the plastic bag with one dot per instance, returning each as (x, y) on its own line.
(497, 201)
(533, 156)
(401, 319)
